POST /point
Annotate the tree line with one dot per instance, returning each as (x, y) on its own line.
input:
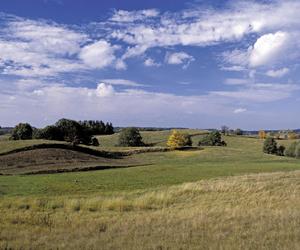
(65, 130)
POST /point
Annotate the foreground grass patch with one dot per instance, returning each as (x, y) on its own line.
(244, 212)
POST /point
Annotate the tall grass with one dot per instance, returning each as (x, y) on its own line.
(243, 212)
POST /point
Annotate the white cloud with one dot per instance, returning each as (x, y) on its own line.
(260, 92)
(278, 73)
(179, 58)
(104, 90)
(98, 55)
(149, 62)
(268, 48)
(236, 81)
(209, 27)
(239, 110)
(123, 82)
(131, 16)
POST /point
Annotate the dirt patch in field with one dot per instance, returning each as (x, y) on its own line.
(52, 160)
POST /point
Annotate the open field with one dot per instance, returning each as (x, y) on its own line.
(244, 212)
(213, 197)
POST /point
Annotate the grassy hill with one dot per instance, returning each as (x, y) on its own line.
(208, 197)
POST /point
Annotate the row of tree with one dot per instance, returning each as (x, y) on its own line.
(64, 130)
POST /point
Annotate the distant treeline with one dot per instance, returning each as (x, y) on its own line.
(117, 129)
(98, 127)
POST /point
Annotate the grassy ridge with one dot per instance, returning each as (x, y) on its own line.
(245, 212)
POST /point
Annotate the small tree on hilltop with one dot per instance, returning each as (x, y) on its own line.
(23, 131)
(130, 137)
(270, 146)
(178, 140)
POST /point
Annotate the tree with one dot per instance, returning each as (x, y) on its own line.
(130, 137)
(214, 138)
(95, 142)
(238, 131)
(270, 146)
(224, 130)
(280, 150)
(74, 132)
(49, 133)
(23, 131)
(178, 140)
(262, 134)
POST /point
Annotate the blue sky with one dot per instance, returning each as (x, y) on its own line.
(199, 64)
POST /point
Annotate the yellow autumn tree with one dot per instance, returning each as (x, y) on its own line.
(178, 140)
(262, 134)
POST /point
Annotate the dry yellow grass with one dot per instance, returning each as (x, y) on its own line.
(243, 212)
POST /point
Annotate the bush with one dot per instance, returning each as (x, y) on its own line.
(23, 131)
(49, 133)
(212, 139)
(297, 151)
(95, 142)
(238, 131)
(270, 146)
(280, 150)
(130, 137)
(178, 140)
(290, 150)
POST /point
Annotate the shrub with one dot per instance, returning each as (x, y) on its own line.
(49, 133)
(297, 151)
(95, 142)
(130, 137)
(178, 140)
(270, 146)
(238, 131)
(212, 139)
(290, 150)
(23, 131)
(280, 150)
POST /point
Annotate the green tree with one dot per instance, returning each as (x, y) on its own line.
(74, 132)
(130, 137)
(214, 138)
(23, 131)
(270, 146)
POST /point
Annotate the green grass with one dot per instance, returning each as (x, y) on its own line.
(179, 200)
(241, 156)
(244, 212)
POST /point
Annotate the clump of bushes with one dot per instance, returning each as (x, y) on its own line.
(23, 131)
(179, 140)
(130, 137)
(270, 147)
(214, 138)
(293, 150)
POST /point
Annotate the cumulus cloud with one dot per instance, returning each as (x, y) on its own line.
(98, 55)
(149, 62)
(104, 90)
(179, 58)
(268, 48)
(278, 73)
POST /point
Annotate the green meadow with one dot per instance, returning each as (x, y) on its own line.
(229, 197)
